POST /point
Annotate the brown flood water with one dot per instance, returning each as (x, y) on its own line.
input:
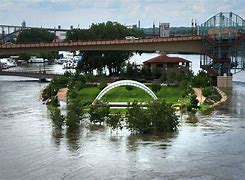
(211, 148)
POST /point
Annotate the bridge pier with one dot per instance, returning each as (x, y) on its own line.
(224, 81)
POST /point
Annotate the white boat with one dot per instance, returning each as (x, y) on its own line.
(70, 64)
(7, 63)
(62, 60)
(35, 59)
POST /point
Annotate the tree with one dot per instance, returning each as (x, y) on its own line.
(99, 112)
(114, 121)
(137, 119)
(156, 87)
(163, 116)
(35, 35)
(193, 103)
(158, 117)
(74, 113)
(201, 79)
(57, 119)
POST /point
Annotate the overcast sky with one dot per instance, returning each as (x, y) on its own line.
(51, 13)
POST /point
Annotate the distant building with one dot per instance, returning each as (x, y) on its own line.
(167, 65)
(164, 29)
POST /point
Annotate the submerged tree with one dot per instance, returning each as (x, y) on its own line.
(99, 113)
(157, 117)
(114, 121)
(74, 114)
(57, 119)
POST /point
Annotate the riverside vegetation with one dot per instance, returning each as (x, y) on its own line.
(155, 116)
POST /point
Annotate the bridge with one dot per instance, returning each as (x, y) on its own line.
(41, 75)
(9, 30)
(220, 41)
(181, 44)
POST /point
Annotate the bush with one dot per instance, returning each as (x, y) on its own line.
(201, 80)
(193, 103)
(114, 121)
(207, 91)
(99, 113)
(155, 87)
(102, 85)
(129, 88)
(74, 114)
(57, 119)
(158, 117)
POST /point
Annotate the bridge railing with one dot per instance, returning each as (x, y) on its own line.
(101, 42)
(31, 72)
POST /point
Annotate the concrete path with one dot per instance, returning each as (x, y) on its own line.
(199, 95)
(62, 94)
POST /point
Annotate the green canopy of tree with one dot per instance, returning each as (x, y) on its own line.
(35, 35)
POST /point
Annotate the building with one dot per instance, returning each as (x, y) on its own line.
(168, 65)
(164, 29)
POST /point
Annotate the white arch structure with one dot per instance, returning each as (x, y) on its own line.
(125, 83)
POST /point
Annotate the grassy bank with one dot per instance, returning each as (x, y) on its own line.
(121, 94)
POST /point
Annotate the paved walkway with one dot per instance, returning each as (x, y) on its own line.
(62, 94)
(199, 95)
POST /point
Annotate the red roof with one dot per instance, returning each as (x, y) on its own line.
(165, 59)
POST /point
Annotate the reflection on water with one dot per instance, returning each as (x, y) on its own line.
(212, 147)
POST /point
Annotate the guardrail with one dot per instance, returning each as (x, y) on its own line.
(101, 42)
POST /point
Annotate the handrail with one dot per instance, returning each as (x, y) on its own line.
(100, 42)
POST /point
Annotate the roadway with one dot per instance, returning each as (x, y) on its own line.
(180, 44)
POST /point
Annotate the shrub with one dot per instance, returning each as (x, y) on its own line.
(99, 113)
(129, 88)
(155, 87)
(193, 103)
(57, 119)
(207, 91)
(74, 114)
(102, 85)
(114, 121)
(159, 117)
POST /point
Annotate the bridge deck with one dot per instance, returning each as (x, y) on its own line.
(187, 44)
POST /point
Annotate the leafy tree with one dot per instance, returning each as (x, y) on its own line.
(155, 87)
(137, 119)
(129, 88)
(102, 85)
(35, 35)
(158, 117)
(162, 116)
(207, 91)
(57, 119)
(114, 121)
(74, 113)
(201, 79)
(193, 103)
(99, 113)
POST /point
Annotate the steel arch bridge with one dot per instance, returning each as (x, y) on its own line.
(125, 83)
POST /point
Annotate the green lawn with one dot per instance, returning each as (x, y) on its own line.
(88, 94)
(170, 94)
(121, 94)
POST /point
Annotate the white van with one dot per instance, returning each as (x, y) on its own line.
(131, 38)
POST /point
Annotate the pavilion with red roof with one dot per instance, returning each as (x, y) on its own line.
(167, 65)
